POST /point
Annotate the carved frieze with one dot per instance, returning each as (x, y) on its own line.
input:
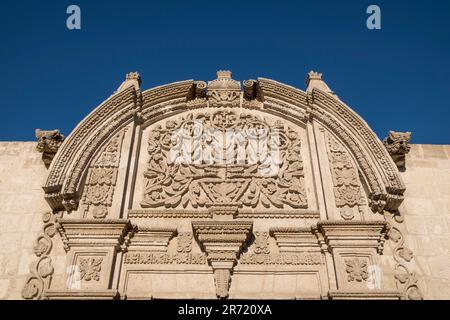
(132, 257)
(294, 259)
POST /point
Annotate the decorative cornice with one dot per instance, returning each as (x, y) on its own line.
(148, 238)
(110, 294)
(352, 234)
(94, 232)
(294, 239)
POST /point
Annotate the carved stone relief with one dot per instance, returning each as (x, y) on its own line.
(49, 142)
(102, 179)
(222, 168)
(397, 144)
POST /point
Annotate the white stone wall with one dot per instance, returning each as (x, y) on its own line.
(426, 209)
(22, 204)
(427, 216)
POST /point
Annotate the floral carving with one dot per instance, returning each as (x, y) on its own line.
(102, 178)
(345, 179)
(356, 269)
(90, 268)
(204, 175)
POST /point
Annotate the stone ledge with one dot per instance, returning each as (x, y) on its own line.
(110, 294)
(364, 295)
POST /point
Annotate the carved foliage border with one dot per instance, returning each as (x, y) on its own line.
(42, 270)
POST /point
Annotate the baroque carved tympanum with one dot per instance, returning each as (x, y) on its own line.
(224, 157)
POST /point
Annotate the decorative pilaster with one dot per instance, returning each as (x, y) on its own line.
(92, 247)
(355, 247)
(223, 242)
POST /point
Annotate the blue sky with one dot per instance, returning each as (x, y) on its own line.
(396, 78)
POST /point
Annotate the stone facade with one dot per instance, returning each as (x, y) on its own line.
(224, 189)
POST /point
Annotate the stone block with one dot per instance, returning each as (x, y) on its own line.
(440, 267)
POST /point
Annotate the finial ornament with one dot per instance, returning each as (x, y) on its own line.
(131, 79)
(314, 81)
